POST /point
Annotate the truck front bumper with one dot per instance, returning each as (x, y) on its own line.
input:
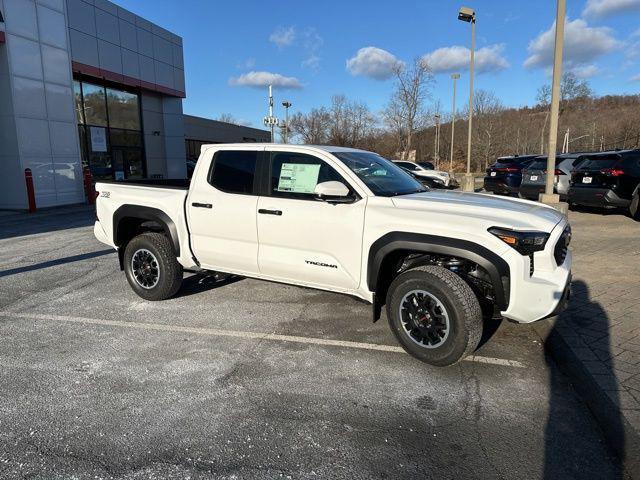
(542, 291)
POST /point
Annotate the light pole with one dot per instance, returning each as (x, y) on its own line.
(468, 15)
(454, 77)
(436, 155)
(286, 104)
(548, 196)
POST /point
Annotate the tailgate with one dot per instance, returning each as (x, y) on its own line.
(598, 171)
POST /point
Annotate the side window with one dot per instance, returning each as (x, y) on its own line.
(295, 175)
(409, 166)
(233, 171)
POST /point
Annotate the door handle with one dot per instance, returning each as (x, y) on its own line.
(265, 211)
(201, 205)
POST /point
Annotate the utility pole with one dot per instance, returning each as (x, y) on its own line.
(286, 104)
(548, 196)
(270, 120)
(436, 155)
(454, 77)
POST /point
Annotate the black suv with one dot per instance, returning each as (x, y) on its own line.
(505, 175)
(607, 180)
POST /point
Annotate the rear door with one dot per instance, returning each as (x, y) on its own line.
(303, 239)
(222, 208)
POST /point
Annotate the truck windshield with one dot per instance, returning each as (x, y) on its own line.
(382, 177)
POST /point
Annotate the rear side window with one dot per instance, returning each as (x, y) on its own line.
(234, 171)
(295, 175)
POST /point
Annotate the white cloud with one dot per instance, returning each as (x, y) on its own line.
(582, 44)
(585, 71)
(603, 8)
(283, 36)
(635, 78)
(373, 62)
(312, 43)
(264, 79)
(454, 58)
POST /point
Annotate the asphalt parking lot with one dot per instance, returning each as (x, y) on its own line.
(250, 379)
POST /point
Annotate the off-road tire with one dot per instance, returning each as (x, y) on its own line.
(169, 270)
(634, 206)
(462, 308)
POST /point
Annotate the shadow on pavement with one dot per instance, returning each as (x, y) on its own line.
(202, 282)
(53, 263)
(559, 432)
(23, 224)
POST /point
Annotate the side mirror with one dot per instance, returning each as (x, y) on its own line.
(333, 192)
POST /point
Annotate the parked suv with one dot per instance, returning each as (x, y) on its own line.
(505, 175)
(534, 175)
(607, 180)
(439, 178)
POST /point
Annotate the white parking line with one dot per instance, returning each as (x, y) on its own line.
(239, 334)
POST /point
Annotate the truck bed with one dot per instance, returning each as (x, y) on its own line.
(179, 183)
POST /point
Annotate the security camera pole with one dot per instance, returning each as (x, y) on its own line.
(468, 15)
(286, 104)
(548, 197)
(270, 120)
(454, 77)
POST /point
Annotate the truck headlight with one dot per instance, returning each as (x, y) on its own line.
(524, 242)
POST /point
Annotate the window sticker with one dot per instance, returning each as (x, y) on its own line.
(298, 178)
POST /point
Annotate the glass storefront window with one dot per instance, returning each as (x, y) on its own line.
(123, 109)
(125, 138)
(109, 127)
(95, 107)
(77, 93)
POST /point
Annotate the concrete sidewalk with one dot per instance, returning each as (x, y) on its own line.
(597, 340)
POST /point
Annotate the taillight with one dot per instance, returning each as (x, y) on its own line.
(507, 169)
(614, 172)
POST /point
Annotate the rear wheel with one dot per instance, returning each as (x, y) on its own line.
(151, 266)
(434, 315)
(634, 207)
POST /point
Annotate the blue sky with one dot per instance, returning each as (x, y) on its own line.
(307, 45)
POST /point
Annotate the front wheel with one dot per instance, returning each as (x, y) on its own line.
(151, 266)
(434, 315)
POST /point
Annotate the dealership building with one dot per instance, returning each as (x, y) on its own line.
(88, 83)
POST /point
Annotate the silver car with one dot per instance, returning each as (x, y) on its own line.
(533, 177)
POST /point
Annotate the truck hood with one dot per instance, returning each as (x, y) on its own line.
(497, 211)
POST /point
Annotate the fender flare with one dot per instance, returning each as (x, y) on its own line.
(496, 266)
(146, 214)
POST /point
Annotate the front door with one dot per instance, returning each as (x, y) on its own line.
(303, 239)
(222, 211)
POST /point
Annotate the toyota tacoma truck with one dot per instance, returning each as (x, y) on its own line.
(347, 221)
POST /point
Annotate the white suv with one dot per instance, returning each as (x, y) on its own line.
(426, 170)
(347, 221)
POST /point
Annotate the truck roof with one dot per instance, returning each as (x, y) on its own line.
(324, 148)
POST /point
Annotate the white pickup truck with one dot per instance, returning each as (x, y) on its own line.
(348, 221)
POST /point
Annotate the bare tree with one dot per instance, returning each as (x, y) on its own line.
(228, 118)
(486, 107)
(405, 111)
(571, 88)
(350, 122)
(312, 127)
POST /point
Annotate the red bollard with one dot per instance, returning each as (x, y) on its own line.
(89, 189)
(31, 194)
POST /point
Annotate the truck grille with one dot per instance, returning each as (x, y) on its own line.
(562, 246)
